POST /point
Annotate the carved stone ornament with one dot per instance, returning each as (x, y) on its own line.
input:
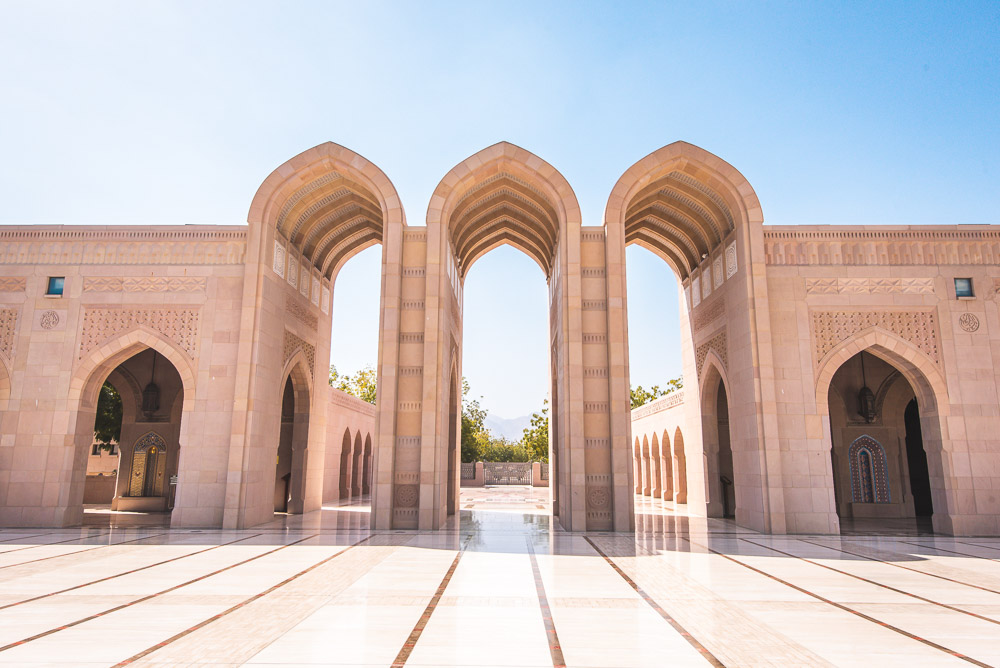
(968, 322)
(49, 320)
(598, 497)
(179, 325)
(407, 496)
(831, 328)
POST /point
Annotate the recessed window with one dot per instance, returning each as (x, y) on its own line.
(963, 287)
(97, 449)
(56, 285)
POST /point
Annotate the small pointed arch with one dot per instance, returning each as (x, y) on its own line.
(503, 195)
(345, 465)
(296, 369)
(366, 466)
(328, 203)
(655, 466)
(95, 367)
(356, 464)
(682, 203)
(680, 468)
(919, 370)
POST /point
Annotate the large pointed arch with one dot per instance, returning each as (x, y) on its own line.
(503, 194)
(327, 203)
(682, 203)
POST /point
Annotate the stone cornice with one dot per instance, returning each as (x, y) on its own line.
(122, 244)
(665, 402)
(341, 398)
(882, 245)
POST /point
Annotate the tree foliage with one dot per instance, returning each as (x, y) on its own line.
(536, 437)
(474, 432)
(642, 396)
(362, 385)
(108, 425)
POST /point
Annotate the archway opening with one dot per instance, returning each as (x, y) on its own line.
(131, 414)
(880, 465)
(505, 360)
(283, 461)
(726, 473)
(346, 458)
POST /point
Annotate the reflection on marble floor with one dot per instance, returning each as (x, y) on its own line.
(502, 585)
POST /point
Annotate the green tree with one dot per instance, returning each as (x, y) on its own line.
(363, 384)
(536, 437)
(642, 396)
(108, 425)
(474, 433)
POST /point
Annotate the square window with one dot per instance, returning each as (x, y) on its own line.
(97, 449)
(56, 285)
(963, 287)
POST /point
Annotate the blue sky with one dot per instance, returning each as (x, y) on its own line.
(169, 113)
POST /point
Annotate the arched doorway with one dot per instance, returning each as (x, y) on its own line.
(454, 428)
(366, 476)
(345, 465)
(680, 468)
(720, 470)
(880, 465)
(148, 431)
(283, 461)
(666, 468)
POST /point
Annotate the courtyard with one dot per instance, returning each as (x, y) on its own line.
(501, 585)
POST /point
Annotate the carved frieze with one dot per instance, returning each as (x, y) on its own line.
(661, 404)
(144, 284)
(301, 313)
(126, 245)
(179, 325)
(716, 344)
(731, 260)
(831, 328)
(293, 344)
(869, 286)
(709, 312)
(875, 247)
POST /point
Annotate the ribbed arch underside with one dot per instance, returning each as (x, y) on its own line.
(679, 218)
(329, 219)
(504, 209)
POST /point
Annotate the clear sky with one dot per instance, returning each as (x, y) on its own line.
(170, 112)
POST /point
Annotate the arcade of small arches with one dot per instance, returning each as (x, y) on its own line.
(833, 376)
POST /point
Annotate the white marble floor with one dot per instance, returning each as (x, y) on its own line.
(502, 586)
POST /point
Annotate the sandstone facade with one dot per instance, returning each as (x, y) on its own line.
(773, 321)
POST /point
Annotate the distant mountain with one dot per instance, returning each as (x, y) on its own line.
(511, 429)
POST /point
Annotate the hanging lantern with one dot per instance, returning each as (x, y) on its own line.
(866, 398)
(151, 395)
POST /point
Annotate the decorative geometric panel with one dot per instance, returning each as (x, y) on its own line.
(717, 344)
(717, 271)
(324, 302)
(314, 295)
(696, 291)
(12, 284)
(706, 282)
(279, 259)
(731, 260)
(292, 275)
(304, 280)
(8, 330)
(831, 328)
(293, 344)
(869, 481)
(178, 325)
